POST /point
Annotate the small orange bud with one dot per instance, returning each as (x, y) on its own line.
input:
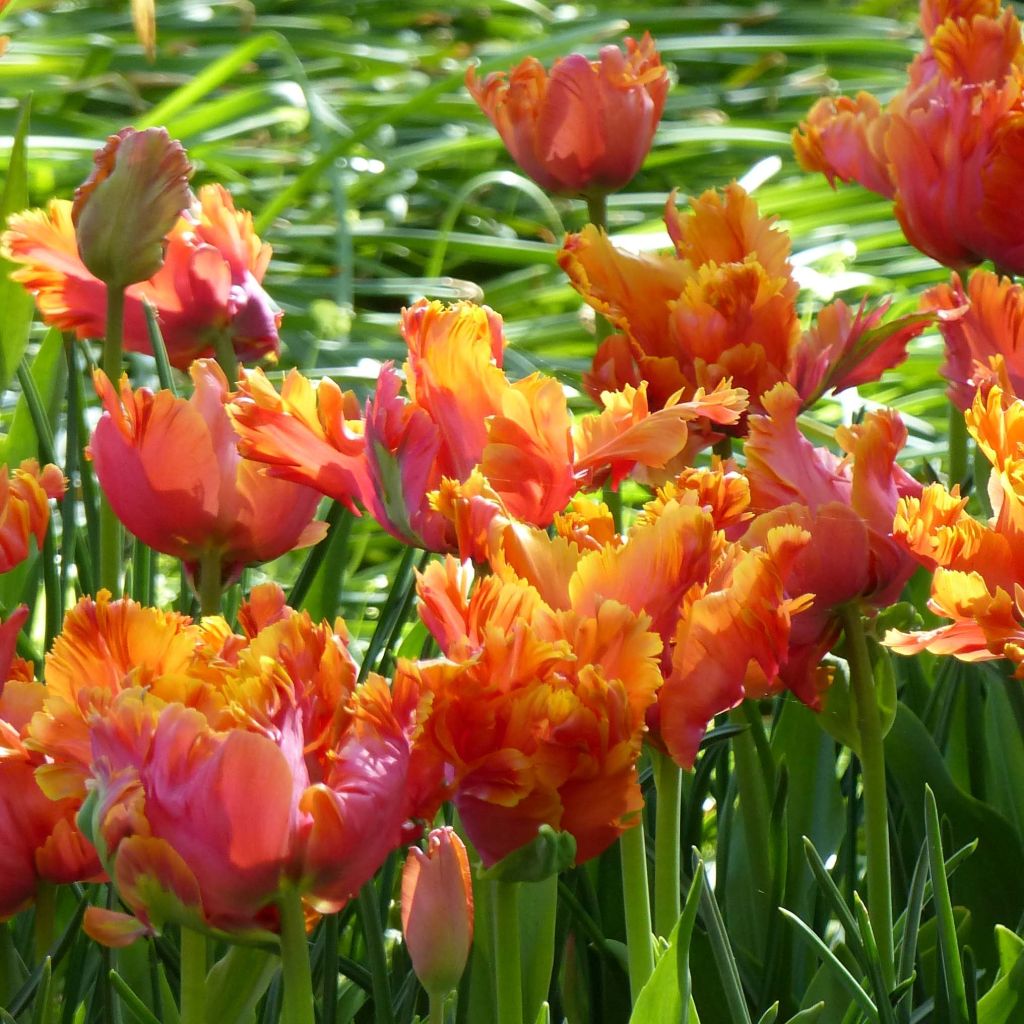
(437, 910)
(134, 196)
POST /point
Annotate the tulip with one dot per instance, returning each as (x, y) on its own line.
(209, 285)
(462, 415)
(171, 471)
(722, 308)
(983, 329)
(846, 505)
(950, 199)
(169, 727)
(135, 194)
(39, 842)
(537, 713)
(977, 565)
(437, 911)
(25, 509)
(585, 128)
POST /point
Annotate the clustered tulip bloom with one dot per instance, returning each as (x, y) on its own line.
(538, 706)
(171, 727)
(25, 509)
(462, 414)
(585, 128)
(977, 566)
(722, 308)
(171, 470)
(983, 328)
(947, 149)
(209, 283)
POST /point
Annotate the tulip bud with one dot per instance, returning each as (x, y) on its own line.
(134, 196)
(437, 910)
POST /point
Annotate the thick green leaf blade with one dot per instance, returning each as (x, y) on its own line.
(15, 303)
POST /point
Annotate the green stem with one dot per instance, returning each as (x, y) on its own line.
(508, 975)
(538, 907)
(110, 526)
(754, 806)
(297, 1002)
(723, 448)
(329, 992)
(982, 472)
(436, 1009)
(193, 976)
(668, 778)
(224, 350)
(957, 441)
(876, 807)
(636, 896)
(597, 214)
(46, 911)
(369, 916)
(209, 583)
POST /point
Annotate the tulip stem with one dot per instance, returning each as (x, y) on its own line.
(209, 581)
(436, 1008)
(597, 214)
(876, 806)
(957, 442)
(373, 932)
(508, 972)
(297, 1005)
(637, 904)
(224, 350)
(193, 976)
(668, 777)
(110, 525)
(46, 909)
(754, 806)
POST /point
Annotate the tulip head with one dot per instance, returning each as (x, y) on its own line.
(134, 196)
(437, 910)
(585, 128)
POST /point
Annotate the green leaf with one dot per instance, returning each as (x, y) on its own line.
(848, 982)
(549, 853)
(667, 997)
(47, 372)
(952, 966)
(16, 305)
(236, 983)
(913, 761)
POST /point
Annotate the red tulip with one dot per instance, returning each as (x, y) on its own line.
(172, 473)
(586, 128)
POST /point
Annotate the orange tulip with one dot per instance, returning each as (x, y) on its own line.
(845, 504)
(537, 712)
(178, 725)
(977, 566)
(965, 86)
(585, 128)
(981, 325)
(209, 284)
(462, 413)
(437, 910)
(25, 509)
(171, 471)
(721, 308)
(39, 841)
